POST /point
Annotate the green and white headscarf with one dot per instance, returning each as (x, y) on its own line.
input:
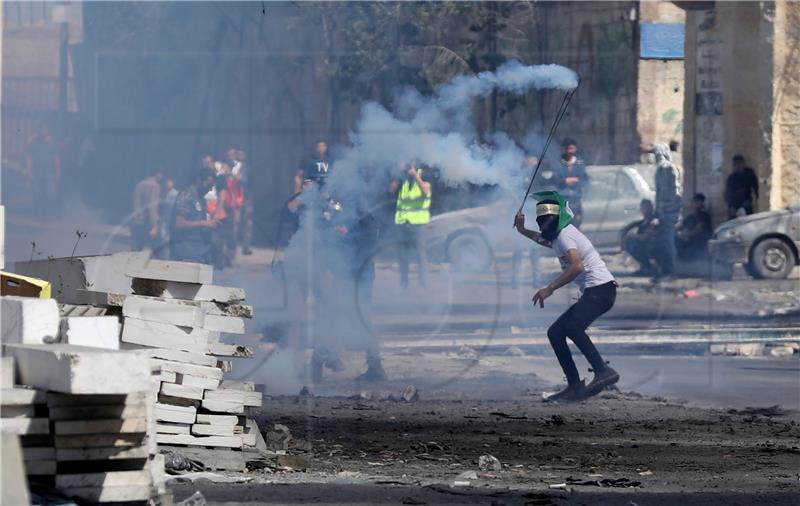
(563, 211)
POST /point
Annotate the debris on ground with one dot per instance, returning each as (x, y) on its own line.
(606, 482)
(278, 438)
(488, 463)
(775, 410)
(212, 477)
(196, 499)
(410, 394)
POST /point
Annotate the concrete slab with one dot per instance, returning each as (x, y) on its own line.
(100, 412)
(176, 414)
(22, 396)
(8, 372)
(252, 428)
(227, 324)
(212, 430)
(185, 392)
(100, 440)
(13, 483)
(40, 467)
(244, 386)
(92, 331)
(107, 426)
(182, 439)
(80, 370)
(229, 350)
(28, 320)
(18, 411)
(165, 376)
(25, 426)
(172, 428)
(197, 381)
(170, 270)
(69, 400)
(109, 453)
(112, 479)
(126, 493)
(39, 453)
(187, 291)
(226, 420)
(161, 311)
(247, 398)
(223, 406)
(162, 335)
(103, 273)
(190, 369)
(186, 357)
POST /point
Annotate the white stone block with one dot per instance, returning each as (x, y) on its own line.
(227, 324)
(182, 439)
(169, 270)
(197, 381)
(189, 369)
(157, 310)
(212, 430)
(187, 357)
(244, 386)
(184, 392)
(109, 453)
(100, 440)
(8, 372)
(227, 420)
(108, 426)
(102, 273)
(22, 396)
(223, 406)
(25, 426)
(39, 453)
(239, 396)
(80, 370)
(173, 428)
(187, 291)
(28, 320)
(92, 331)
(13, 483)
(175, 414)
(98, 412)
(162, 335)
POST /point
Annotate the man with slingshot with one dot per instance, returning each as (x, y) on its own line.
(580, 263)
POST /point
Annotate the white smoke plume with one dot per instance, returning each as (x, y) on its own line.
(438, 131)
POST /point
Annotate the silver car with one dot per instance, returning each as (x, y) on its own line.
(472, 238)
(766, 243)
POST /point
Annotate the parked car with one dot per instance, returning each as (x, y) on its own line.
(766, 243)
(472, 238)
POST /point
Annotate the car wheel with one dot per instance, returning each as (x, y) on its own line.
(771, 258)
(469, 252)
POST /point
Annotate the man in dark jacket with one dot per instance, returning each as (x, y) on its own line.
(740, 188)
(570, 179)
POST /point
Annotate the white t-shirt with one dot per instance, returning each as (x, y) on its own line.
(595, 272)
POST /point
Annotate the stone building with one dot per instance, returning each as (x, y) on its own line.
(743, 97)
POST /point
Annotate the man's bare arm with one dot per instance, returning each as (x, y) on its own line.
(573, 270)
(519, 224)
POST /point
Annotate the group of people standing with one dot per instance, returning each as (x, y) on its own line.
(203, 222)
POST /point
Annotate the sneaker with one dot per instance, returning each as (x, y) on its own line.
(602, 380)
(573, 392)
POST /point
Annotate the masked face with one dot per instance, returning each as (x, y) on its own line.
(548, 226)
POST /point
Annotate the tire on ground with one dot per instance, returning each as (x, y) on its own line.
(771, 258)
(469, 252)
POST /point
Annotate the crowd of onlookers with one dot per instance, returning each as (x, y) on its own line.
(206, 220)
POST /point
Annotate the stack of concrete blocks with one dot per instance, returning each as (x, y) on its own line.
(99, 417)
(23, 411)
(175, 317)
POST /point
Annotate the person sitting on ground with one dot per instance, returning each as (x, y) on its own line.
(640, 244)
(740, 189)
(694, 232)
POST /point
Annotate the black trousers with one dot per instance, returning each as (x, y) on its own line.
(573, 324)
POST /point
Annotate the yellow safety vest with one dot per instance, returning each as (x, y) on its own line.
(413, 206)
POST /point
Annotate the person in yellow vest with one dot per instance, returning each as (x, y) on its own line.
(412, 212)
